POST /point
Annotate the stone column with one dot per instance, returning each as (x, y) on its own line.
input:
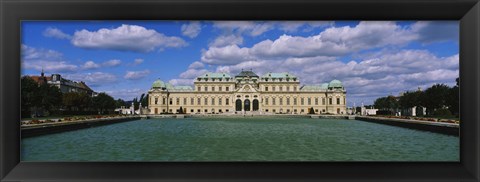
(414, 111)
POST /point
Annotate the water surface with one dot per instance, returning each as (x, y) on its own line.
(242, 139)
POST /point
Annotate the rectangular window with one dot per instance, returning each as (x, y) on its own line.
(338, 101)
(309, 101)
(302, 101)
(213, 89)
(295, 89)
(156, 101)
(316, 101)
(220, 88)
(266, 88)
(288, 88)
(199, 102)
(330, 101)
(288, 100)
(266, 101)
(184, 101)
(178, 101)
(198, 89)
(273, 88)
(171, 101)
(226, 101)
(219, 101)
(164, 101)
(206, 89)
(213, 101)
(281, 101)
(294, 101)
(206, 101)
(323, 101)
(227, 88)
(191, 101)
(281, 88)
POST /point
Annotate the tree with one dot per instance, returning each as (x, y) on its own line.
(410, 99)
(103, 102)
(388, 103)
(453, 99)
(144, 100)
(435, 97)
(29, 96)
(50, 97)
(77, 101)
(119, 103)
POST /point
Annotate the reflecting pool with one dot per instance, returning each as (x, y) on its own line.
(242, 139)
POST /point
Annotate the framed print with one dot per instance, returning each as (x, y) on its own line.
(203, 90)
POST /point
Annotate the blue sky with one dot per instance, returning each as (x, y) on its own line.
(123, 58)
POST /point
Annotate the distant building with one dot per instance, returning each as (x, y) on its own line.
(64, 85)
(248, 93)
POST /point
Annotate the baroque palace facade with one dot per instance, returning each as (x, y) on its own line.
(272, 93)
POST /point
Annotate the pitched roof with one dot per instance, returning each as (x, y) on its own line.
(215, 75)
(247, 74)
(278, 75)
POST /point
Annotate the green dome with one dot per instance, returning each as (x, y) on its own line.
(169, 86)
(158, 84)
(335, 84)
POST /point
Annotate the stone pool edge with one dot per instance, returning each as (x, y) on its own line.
(58, 127)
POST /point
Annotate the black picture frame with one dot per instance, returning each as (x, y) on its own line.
(12, 12)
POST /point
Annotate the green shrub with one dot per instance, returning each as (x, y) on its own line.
(442, 112)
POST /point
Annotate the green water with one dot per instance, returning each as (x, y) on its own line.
(242, 139)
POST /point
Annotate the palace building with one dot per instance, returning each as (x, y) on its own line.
(272, 93)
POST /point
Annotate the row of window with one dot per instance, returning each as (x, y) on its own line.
(219, 101)
(206, 101)
(279, 88)
(212, 89)
(302, 101)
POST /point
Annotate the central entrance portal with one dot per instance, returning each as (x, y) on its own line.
(246, 105)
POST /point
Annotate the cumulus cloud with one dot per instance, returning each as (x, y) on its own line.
(136, 75)
(94, 79)
(181, 82)
(112, 63)
(137, 61)
(437, 31)
(225, 40)
(125, 38)
(90, 65)
(126, 94)
(228, 55)
(192, 29)
(333, 41)
(248, 27)
(43, 59)
(55, 33)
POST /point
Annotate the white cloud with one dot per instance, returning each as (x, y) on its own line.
(192, 29)
(125, 38)
(47, 60)
(55, 33)
(94, 79)
(181, 82)
(90, 65)
(112, 63)
(227, 55)
(225, 40)
(248, 27)
(136, 75)
(126, 94)
(137, 61)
